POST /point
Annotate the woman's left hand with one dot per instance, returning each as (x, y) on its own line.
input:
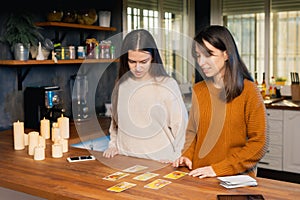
(203, 172)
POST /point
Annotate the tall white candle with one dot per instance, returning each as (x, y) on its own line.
(63, 124)
(55, 131)
(18, 131)
(39, 153)
(33, 141)
(45, 128)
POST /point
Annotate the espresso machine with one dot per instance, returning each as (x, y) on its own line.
(40, 102)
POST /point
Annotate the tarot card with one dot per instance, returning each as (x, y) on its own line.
(121, 187)
(146, 176)
(115, 176)
(157, 184)
(175, 175)
(135, 168)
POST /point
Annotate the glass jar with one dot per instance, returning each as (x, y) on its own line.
(90, 50)
(58, 53)
(90, 45)
(65, 53)
(72, 52)
(80, 52)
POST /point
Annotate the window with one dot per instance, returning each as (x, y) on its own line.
(267, 35)
(164, 19)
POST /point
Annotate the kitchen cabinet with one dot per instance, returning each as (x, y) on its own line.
(291, 158)
(283, 147)
(273, 158)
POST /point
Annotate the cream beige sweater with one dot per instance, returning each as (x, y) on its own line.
(152, 120)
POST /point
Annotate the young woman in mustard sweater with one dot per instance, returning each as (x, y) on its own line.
(227, 120)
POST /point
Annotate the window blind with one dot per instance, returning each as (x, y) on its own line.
(149, 4)
(173, 6)
(235, 7)
(286, 5)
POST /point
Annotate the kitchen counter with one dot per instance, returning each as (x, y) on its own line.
(55, 178)
(282, 103)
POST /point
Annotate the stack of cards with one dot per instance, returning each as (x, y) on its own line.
(237, 181)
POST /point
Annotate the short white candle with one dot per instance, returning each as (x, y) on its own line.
(18, 131)
(57, 150)
(33, 141)
(39, 153)
(63, 124)
(65, 144)
(45, 128)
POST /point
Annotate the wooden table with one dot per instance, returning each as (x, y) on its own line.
(55, 178)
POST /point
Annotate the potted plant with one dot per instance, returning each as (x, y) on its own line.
(20, 33)
(280, 80)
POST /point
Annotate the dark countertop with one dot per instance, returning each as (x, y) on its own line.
(284, 103)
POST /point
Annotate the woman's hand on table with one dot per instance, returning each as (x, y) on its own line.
(110, 152)
(203, 172)
(182, 161)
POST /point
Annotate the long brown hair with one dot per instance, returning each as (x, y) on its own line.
(235, 69)
(140, 40)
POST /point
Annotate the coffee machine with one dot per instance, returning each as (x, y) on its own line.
(42, 102)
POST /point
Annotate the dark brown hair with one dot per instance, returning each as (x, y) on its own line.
(140, 40)
(235, 69)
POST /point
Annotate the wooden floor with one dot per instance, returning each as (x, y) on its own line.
(278, 175)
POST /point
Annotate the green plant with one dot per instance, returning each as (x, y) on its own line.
(280, 79)
(21, 29)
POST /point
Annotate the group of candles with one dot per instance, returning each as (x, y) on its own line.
(36, 142)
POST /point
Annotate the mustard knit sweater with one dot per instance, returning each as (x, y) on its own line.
(230, 137)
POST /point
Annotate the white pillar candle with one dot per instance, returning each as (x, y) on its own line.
(45, 128)
(55, 132)
(42, 141)
(18, 131)
(39, 153)
(65, 144)
(25, 139)
(33, 141)
(63, 124)
(57, 150)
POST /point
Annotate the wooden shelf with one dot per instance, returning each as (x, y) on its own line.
(21, 74)
(51, 62)
(73, 25)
